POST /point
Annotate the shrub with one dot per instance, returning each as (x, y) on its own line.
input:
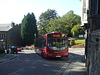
(79, 44)
(77, 30)
(72, 42)
(2, 50)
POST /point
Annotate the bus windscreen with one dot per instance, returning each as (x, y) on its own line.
(57, 43)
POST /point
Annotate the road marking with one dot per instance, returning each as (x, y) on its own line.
(16, 72)
(64, 66)
(10, 59)
(70, 56)
(35, 62)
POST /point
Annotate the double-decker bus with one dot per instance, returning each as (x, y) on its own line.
(53, 44)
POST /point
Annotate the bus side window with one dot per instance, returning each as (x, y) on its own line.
(43, 42)
(39, 43)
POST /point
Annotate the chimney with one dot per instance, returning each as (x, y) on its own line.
(12, 24)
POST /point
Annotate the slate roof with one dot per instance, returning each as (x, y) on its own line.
(5, 27)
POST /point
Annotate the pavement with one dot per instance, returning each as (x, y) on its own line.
(7, 57)
(77, 64)
(76, 67)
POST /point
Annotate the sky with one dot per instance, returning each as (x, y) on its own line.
(14, 10)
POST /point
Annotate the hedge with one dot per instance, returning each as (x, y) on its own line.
(2, 50)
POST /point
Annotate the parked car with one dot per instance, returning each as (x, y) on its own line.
(19, 49)
(13, 49)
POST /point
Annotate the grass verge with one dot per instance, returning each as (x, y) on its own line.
(80, 41)
(1, 54)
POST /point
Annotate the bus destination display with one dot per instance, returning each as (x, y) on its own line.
(57, 35)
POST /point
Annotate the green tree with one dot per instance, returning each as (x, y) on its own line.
(64, 24)
(44, 20)
(28, 29)
(71, 19)
(56, 25)
(77, 30)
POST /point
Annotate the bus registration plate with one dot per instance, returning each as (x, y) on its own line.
(58, 56)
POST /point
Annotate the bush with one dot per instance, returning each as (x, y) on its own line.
(79, 44)
(2, 50)
(72, 42)
(77, 30)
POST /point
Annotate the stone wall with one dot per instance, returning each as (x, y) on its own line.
(93, 55)
(14, 36)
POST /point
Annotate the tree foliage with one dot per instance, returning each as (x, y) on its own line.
(28, 29)
(71, 19)
(49, 21)
(77, 30)
(64, 24)
(56, 25)
(44, 20)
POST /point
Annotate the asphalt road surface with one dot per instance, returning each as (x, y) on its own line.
(28, 62)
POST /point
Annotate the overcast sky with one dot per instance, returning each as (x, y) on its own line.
(14, 10)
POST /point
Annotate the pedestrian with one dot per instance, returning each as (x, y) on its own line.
(26, 46)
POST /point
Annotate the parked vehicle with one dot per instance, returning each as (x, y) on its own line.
(12, 49)
(19, 49)
(27, 47)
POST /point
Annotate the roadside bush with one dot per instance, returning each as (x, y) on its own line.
(79, 44)
(2, 50)
(72, 42)
(77, 30)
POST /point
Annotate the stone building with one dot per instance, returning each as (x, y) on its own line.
(92, 28)
(10, 35)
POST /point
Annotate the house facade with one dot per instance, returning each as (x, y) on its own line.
(2, 39)
(4, 28)
(10, 35)
(92, 28)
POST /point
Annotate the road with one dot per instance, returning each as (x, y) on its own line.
(28, 62)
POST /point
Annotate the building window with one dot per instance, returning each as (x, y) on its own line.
(98, 7)
(91, 5)
(2, 36)
(84, 16)
(84, 6)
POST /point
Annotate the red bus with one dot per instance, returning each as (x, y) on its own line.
(53, 44)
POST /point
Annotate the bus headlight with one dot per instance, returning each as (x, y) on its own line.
(66, 53)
